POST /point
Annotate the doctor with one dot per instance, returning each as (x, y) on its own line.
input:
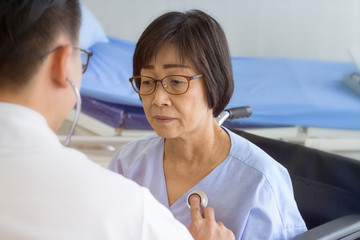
(49, 191)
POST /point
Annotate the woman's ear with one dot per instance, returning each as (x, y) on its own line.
(60, 65)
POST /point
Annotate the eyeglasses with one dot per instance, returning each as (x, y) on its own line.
(84, 55)
(173, 84)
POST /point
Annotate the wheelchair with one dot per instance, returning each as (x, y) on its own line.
(326, 186)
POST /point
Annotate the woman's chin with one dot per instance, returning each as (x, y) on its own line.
(165, 132)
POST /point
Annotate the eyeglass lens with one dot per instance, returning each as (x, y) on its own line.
(172, 84)
(84, 60)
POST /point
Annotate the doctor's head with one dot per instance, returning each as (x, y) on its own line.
(39, 54)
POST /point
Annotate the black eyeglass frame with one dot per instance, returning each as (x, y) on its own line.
(88, 54)
(188, 78)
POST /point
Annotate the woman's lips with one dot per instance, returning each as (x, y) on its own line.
(163, 119)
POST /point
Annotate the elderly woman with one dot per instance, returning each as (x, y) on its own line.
(182, 72)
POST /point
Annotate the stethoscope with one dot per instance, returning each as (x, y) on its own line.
(78, 109)
(203, 198)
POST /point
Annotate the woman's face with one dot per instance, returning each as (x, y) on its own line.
(174, 116)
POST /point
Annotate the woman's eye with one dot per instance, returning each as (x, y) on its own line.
(147, 82)
(176, 82)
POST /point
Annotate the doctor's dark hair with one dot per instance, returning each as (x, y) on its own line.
(27, 30)
(199, 38)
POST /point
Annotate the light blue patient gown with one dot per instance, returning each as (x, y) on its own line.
(250, 192)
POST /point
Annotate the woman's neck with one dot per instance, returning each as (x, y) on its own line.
(188, 160)
(198, 146)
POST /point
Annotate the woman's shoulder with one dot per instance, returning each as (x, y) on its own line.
(247, 152)
(255, 159)
(269, 175)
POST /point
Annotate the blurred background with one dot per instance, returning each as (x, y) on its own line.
(316, 29)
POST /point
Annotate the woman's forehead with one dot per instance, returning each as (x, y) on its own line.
(169, 55)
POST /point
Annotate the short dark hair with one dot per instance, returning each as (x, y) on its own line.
(27, 29)
(198, 37)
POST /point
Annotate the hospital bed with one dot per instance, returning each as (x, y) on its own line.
(302, 101)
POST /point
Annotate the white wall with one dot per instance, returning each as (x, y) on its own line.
(318, 29)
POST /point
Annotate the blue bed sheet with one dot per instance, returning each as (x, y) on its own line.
(281, 91)
(108, 73)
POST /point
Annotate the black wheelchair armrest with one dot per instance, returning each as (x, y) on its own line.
(347, 227)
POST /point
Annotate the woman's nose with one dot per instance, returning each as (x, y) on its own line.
(161, 97)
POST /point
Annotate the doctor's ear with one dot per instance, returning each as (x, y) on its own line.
(60, 65)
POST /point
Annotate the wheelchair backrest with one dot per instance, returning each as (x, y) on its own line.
(326, 186)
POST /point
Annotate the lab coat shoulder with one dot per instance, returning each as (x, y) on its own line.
(103, 201)
(144, 214)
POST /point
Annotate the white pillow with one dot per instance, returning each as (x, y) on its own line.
(91, 31)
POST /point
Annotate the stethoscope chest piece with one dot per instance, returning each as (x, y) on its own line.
(203, 198)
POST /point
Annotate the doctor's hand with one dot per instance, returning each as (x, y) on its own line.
(205, 226)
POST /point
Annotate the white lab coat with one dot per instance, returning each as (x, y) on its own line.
(48, 191)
